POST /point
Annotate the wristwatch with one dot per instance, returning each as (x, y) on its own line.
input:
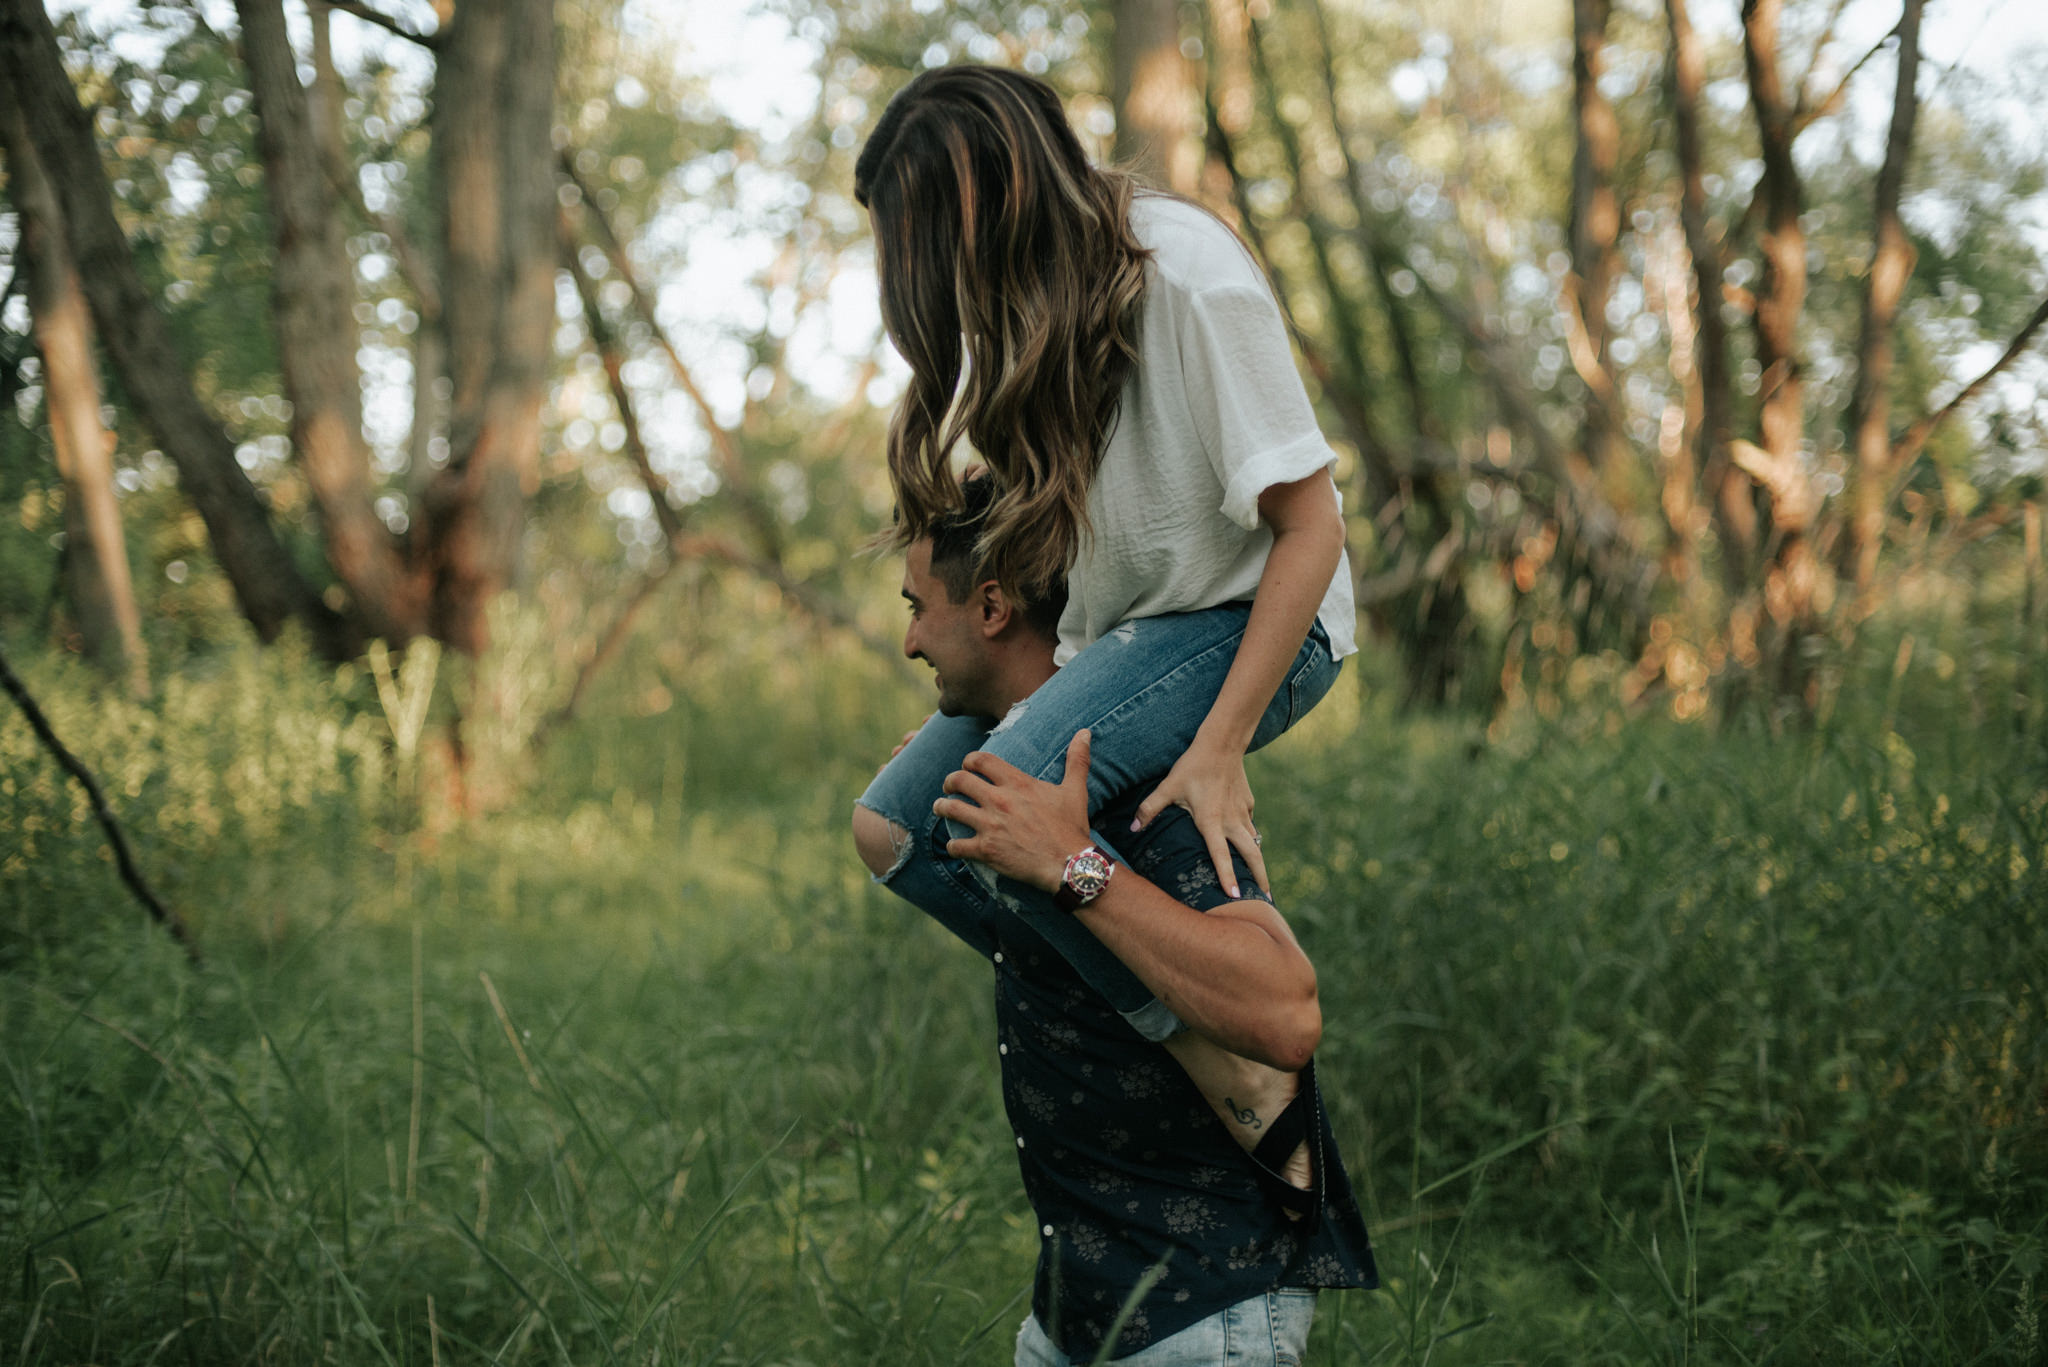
(1086, 876)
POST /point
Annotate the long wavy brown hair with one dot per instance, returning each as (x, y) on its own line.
(997, 244)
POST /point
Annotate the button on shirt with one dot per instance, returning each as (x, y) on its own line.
(1125, 1163)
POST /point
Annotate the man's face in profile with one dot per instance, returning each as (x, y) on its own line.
(947, 636)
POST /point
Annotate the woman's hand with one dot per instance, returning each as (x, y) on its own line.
(1308, 545)
(1209, 782)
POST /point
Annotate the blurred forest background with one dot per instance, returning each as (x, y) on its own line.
(436, 448)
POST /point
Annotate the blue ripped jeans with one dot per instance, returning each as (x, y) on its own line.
(1142, 690)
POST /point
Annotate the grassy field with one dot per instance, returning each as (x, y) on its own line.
(1647, 1042)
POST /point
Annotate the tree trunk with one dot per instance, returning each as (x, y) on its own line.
(267, 582)
(96, 576)
(492, 124)
(1154, 92)
(1794, 582)
(1729, 490)
(313, 303)
(1595, 224)
(1891, 263)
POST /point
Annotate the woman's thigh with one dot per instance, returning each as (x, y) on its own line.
(1142, 690)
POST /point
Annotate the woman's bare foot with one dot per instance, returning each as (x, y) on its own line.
(1245, 1095)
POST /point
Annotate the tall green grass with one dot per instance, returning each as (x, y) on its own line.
(1646, 1042)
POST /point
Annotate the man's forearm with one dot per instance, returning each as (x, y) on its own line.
(1233, 973)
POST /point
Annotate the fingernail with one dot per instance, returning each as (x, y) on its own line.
(1135, 826)
(1233, 892)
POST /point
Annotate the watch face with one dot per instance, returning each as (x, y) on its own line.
(1087, 872)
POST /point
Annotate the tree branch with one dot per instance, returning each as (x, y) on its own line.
(1868, 417)
(680, 545)
(1801, 117)
(1914, 440)
(124, 859)
(725, 551)
(411, 264)
(732, 468)
(1820, 50)
(1375, 457)
(807, 596)
(1379, 257)
(1805, 114)
(608, 646)
(430, 41)
(1734, 507)
(609, 354)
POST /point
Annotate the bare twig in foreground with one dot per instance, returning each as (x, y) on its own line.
(71, 764)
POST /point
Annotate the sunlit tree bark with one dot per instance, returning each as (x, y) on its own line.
(1595, 229)
(494, 161)
(1154, 93)
(1796, 580)
(97, 583)
(313, 298)
(1729, 490)
(1891, 263)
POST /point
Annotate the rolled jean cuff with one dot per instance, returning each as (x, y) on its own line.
(1155, 1021)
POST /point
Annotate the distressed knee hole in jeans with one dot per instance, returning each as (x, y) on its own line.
(1012, 717)
(901, 846)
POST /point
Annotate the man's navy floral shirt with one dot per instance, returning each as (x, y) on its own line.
(1125, 1165)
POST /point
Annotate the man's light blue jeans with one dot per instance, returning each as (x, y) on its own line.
(1143, 690)
(1265, 1331)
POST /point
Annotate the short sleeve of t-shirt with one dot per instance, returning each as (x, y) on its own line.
(1212, 415)
(1246, 401)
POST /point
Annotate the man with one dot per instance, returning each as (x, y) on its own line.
(1204, 1222)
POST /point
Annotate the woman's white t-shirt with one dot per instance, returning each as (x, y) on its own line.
(1213, 415)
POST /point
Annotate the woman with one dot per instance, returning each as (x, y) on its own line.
(1118, 363)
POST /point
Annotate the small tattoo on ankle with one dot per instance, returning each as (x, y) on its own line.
(1245, 1114)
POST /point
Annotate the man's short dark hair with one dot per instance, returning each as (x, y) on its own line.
(957, 562)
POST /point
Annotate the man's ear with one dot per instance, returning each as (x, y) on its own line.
(994, 607)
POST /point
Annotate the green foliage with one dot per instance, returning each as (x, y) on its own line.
(1766, 1010)
(1646, 1042)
